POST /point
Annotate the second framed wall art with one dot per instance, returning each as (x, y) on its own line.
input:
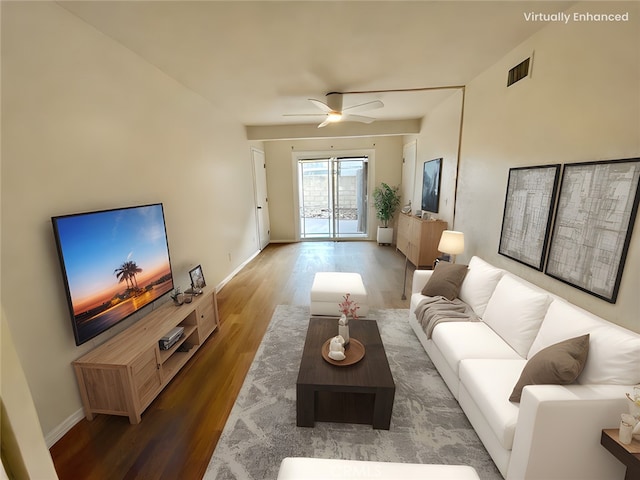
(594, 221)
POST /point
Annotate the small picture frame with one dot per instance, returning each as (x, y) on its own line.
(197, 278)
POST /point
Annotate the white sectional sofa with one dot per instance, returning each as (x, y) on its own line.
(554, 431)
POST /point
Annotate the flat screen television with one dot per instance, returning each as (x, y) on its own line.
(114, 263)
(431, 185)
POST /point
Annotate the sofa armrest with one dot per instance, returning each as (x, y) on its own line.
(420, 279)
(558, 432)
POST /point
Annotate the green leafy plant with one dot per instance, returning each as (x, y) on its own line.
(386, 200)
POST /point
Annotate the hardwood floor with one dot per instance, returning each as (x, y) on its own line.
(181, 428)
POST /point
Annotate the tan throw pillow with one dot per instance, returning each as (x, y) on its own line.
(445, 280)
(558, 364)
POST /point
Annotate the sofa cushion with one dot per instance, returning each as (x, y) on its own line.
(489, 383)
(445, 280)
(614, 351)
(515, 311)
(558, 364)
(460, 340)
(479, 284)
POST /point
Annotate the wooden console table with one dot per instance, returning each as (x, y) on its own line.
(418, 239)
(629, 455)
(126, 373)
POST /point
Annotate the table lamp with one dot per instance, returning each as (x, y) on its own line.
(451, 244)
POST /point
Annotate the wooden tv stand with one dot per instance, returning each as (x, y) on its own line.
(125, 374)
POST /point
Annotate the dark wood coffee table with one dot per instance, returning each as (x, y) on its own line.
(359, 393)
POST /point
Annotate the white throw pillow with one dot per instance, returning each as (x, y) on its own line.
(614, 351)
(479, 284)
(515, 312)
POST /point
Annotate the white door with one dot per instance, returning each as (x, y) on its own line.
(260, 189)
(409, 157)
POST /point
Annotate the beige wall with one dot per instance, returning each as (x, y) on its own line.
(86, 124)
(580, 104)
(387, 167)
(439, 138)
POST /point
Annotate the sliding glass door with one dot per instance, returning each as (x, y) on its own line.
(333, 197)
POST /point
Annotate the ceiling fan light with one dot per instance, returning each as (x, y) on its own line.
(334, 117)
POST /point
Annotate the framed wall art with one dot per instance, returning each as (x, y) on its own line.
(528, 207)
(594, 221)
(197, 278)
(431, 185)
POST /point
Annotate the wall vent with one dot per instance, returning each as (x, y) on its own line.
(518, 72)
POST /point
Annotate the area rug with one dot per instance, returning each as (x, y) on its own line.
(427, 425)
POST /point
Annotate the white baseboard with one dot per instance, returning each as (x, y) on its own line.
(235, 272)
(57, 433)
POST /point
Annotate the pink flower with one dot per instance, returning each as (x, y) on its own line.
(348, 307)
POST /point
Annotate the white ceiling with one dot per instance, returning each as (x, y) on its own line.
(259, 60)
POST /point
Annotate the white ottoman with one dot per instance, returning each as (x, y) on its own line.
(329, 288)
(332, 469)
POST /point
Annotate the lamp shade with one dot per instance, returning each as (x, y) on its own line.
(451, 242)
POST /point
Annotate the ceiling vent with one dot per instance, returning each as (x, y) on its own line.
(519, 72)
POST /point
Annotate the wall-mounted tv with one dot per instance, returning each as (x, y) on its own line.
(114, 262)
(431, 185)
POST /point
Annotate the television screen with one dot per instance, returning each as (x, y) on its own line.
(431, 185)
(114, 262)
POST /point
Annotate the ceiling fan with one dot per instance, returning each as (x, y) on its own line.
(334, 112)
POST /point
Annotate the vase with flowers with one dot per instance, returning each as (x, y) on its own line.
(349, 309)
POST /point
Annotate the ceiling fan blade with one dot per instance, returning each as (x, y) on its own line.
(321, 105)
(325, 123)
(357, 118)
(363, 106)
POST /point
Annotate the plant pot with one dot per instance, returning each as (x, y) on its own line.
(385, 236)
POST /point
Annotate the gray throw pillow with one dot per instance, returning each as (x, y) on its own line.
(445, 280)
(558, 364)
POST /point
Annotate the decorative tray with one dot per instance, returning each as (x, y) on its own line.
(354, 352)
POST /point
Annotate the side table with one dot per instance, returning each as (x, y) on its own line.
(629, 455)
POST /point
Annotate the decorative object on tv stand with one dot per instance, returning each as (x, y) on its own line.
(348, 308)
(386, 200)
(197, 281)
(451, 244)
(177, 296)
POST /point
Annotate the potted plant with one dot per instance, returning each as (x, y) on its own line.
(386, 200)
